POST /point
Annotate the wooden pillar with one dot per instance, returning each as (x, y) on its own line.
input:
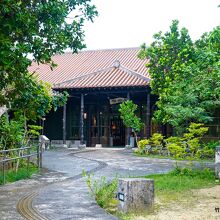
(64, 124)
(128, 130)
(89, 144)
(108, 123)
(82, 120)
(98, 122)
(148, 116)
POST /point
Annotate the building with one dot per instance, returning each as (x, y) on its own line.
(97, 81)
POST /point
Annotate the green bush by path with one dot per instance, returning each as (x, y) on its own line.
(189, 146)
(102, 190)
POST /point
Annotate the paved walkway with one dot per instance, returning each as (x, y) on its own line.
(61, 192)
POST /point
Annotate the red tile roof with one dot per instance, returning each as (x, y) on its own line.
(94, 69)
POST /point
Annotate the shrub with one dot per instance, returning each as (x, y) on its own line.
(189, 145)
(156, 139)
(193, 138)
(195, 130)
(212, 144)
(142, 144)
(175, 150)
(175, 146)
(205, 152)
(103, 191)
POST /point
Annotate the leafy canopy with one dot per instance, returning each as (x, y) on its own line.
(39, 28)
(185, 75)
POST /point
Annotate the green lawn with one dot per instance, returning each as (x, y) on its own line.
(179, 181)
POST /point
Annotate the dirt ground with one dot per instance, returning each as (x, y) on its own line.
(202, 204)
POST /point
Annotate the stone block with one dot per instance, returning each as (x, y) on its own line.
(98, 145)
(217, 162)
(81, 146)
(128, 147)
(135, 194)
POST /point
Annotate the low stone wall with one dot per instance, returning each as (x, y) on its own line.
(69, 143)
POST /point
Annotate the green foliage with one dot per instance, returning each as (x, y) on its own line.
(36, 99)
(34, 131)
(130, 119)
(59, 99)
(142, 145)
(193, 137)
(175, 150)
(168, 54)
(154, 145)
(156, 139)
(195, 130)
(175, 147)
(101, 189)
(187, 147)
(185, 76)
(205, 152)
(11, 133)
(212, 144)
(39, 28)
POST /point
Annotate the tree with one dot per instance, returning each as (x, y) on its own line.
(36, 99)
(41, 28)
(185, 76)
(130, 119)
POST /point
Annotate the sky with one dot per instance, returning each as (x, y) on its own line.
(130, 23)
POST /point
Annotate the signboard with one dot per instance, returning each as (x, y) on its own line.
(121, 197)
(117, 100)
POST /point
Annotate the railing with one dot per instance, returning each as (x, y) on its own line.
(22, 153)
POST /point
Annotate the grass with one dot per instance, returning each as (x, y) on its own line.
(181, 180)
(176, 186)
(23, 173)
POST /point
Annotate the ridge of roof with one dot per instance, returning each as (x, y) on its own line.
(84, 76)
(106, 49)
(134, 73)
(121, 67)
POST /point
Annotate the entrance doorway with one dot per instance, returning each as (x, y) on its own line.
(117, 131)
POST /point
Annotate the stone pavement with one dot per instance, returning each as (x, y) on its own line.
(62, 192)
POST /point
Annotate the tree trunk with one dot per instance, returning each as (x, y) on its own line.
(135, 134)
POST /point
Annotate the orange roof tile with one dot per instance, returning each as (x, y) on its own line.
(93, 69)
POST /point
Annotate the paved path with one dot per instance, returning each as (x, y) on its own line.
(61, 192)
